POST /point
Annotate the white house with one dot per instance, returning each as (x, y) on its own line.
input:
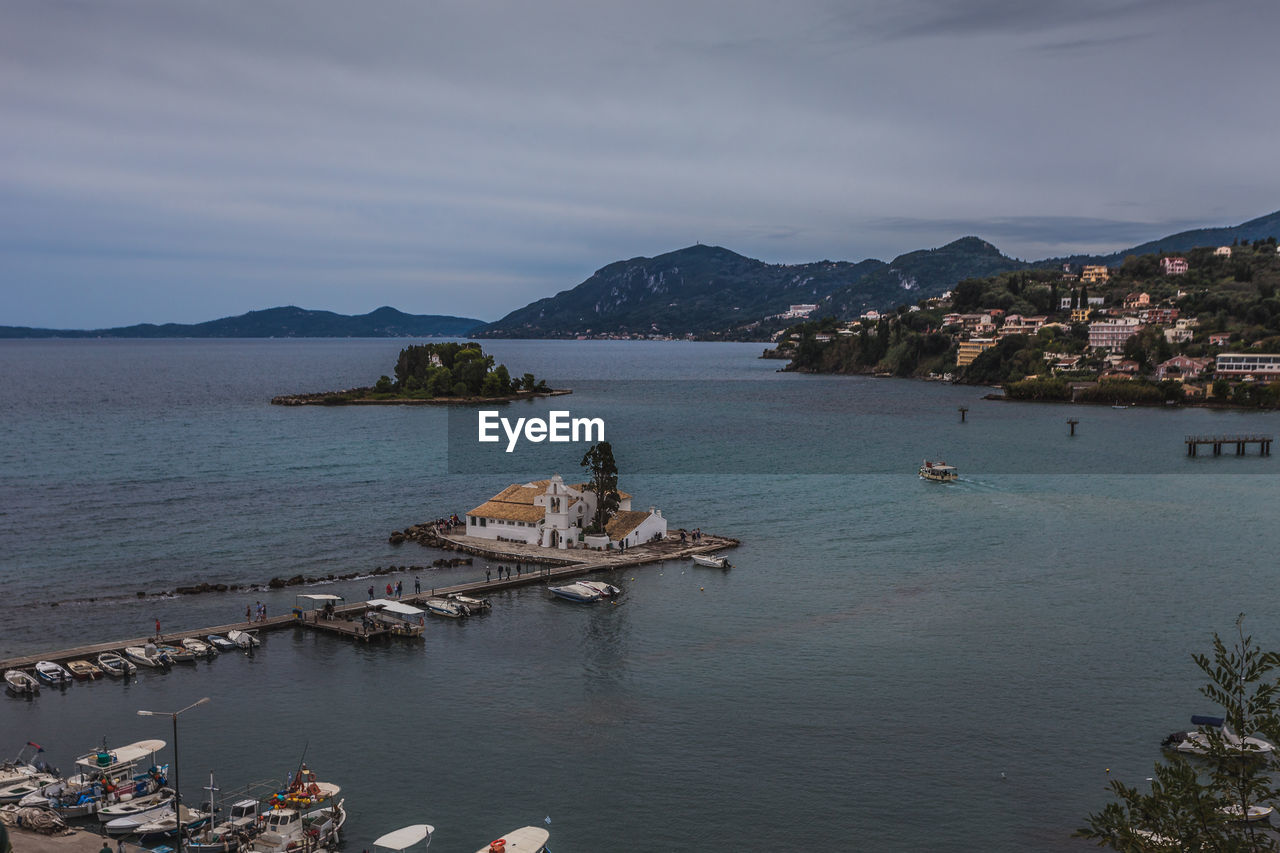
(551, 514)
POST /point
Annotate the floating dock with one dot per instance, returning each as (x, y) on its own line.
(1219, 441)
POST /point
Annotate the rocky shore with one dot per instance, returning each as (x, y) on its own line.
(370, 397)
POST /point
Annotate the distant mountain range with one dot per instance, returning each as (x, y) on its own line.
(711, 292)
(286, 322)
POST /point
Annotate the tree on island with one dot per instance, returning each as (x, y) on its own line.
(453, 370)
(604, 482)
(1195, 806)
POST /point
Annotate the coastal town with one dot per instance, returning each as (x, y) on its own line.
(1203, 326)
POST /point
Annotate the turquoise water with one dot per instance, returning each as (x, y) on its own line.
(893, 665)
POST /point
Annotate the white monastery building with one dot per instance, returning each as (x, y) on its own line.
(551, 514)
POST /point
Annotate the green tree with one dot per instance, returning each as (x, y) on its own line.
(604, 482)
(383, 385)
(1191, 806)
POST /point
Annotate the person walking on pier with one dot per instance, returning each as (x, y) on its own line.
(486, 575)
(371, 592)
(157, 630)
(417, 586)
(247, 611)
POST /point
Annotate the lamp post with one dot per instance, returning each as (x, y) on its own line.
(177, 790)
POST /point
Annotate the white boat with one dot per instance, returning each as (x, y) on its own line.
(938, 472)
(444, 607)
(221, 643)
(148, 656)
(579, 592)
(1253, 814)
(526, 839)
(131, 806)
(231, 834)
(106, 776)
(472, 606)
(606, 590)
(129, 824)
(403, 619)
(405, 837)
(164, 823)
(177, 654)
(711, 562)
(1197, 742)
(243, 639)
(83, 670)
(115, 665)
(20, 683)
(199, 648)
(52, 673)
(22, 766)
(291, 829)
(32, 784)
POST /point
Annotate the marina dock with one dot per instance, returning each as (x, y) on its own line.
(537, 568)
(1217, 442)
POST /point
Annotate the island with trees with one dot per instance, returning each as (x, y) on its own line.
(435, 373)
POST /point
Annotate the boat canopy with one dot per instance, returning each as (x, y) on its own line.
(130, 754)
(396, 607)
(321, 596)
(1201, 720)
(405, 837)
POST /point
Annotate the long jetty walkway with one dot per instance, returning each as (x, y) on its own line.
(536, 567)
(1240, 441)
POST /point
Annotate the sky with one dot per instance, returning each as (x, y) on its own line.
(166, 161)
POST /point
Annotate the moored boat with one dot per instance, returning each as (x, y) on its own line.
(115, 665)
(32, 784)
(526, 839)
(243, 639)
(23, 765)
(131, 821)
(177, 654)
(578, 592)
(199, 648)
(1199, 742)
(405, 837)
(221, 643)
(444, 607)
(165, 823)
(606, 590)
(711, 561)
(106, 776)
(52, 673)
(938, 472)
(148, 656)
(472, 606)
(21, 683)
(1255, 812)
(83, 670)
(231, 834)
(404, 620)
(135, 805)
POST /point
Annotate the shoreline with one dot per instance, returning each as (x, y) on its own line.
(340, 398)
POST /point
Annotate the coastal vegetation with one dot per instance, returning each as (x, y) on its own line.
(435, 373)
(603, 470)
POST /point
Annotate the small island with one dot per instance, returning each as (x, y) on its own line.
(435, 374)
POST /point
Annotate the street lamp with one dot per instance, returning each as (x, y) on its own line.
(177, 790)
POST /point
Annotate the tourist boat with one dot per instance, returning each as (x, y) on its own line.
(141, 815)
(402, 619)
(472, 606)
(1197, 742)
(115, 665)
(576, 592)
(221, 643)
(33, 784)
(243, 639)
(135, 806)
(147, 655)
(405, 837)
(444, 607)
(164, 824)
(711, 562)
(52, 673)
(199, 648)
(106, 776)
(20, 683)
(938, 472)
(606, 590)
(177, 654)
(526, 839)
(83, 670)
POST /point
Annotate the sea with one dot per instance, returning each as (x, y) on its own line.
(890, 665)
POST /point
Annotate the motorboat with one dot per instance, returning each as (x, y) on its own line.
(177, 654)
(606, 590)
(21, 683)
(1198, 742)
(221, 643)
(83, 670)
(52, 673)
(165, 823)
(711, 562)
(444, 607)
(938, 472)
(106, 776)
(579, 592)
(471, 605)
(231, 834)
(130, 823)
(148, 656)
(243, 639)
(33, 784)
(526, 839)
(135, 805)
(405, 837)
(23, 765)
(402, 619)
(1255, 813)
(287, 829)
(199, 648)
(115, 665)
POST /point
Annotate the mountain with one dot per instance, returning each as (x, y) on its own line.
(286, 322)
(692, 290)
(1255, 229)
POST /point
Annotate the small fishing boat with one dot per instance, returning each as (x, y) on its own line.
(106, 776)
(472, 606)
(221, 643)
(606, 590)
(285, 826)
(20, 683)
(710, 561)
(526, 839)
(199, 648)
(33, 784)
(115, 665)
(23, 765)
(177, 654)
(148, 656)
(164, 824)
(52, 673)
(136, 805)
(231, 834)
(243, 639)
(579, 592)
(1198, 742)
(444, 607)
(1254, 813)
(130, 823)
(938, 472)
(405, 837)
(83, 670)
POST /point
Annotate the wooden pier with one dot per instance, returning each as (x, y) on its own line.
(347, 620)
(1241, 442)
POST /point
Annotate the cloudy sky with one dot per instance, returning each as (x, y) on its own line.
(181, 160)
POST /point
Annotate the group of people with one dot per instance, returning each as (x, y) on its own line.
(444, 525)
(257, 613)
(695, 536)
(507, 569)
